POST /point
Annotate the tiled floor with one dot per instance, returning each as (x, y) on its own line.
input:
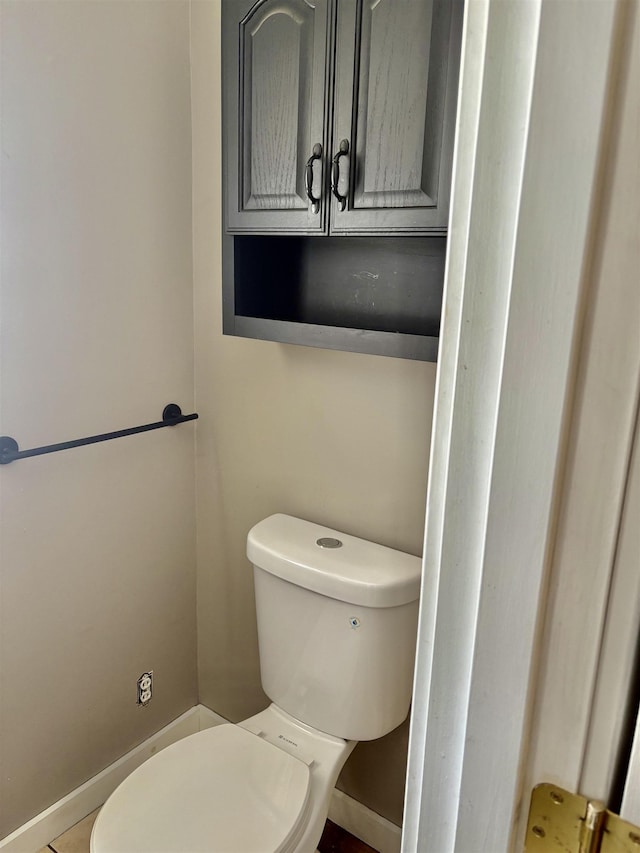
(337, 840)
(76, 840)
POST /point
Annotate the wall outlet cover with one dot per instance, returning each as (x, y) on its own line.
(145, 688)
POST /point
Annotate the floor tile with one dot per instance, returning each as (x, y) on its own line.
(337, 840)
(76, 839)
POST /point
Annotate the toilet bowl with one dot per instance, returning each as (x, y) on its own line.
(262, 786)
(336, 625)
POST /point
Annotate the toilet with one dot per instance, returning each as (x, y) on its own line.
(337, 619)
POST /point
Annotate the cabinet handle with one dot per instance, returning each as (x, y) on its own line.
(308, 178)
(335, 173)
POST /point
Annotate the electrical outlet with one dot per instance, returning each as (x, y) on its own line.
(145, 688)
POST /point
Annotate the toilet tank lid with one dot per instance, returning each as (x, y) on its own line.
(358, 571)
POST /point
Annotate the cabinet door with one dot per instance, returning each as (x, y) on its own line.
(395, 91)
(274, 59)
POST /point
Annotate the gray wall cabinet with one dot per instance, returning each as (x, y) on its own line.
(338, 122)
(395, 107)
(275, 91)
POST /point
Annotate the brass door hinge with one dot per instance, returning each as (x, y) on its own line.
(560, 820)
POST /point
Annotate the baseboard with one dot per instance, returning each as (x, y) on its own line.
(348, 813)
(55, 820)
(365, 824)
(208, 718)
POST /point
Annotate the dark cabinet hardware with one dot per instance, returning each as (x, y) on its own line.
(308, 178)
(343, 151)
(171, 415)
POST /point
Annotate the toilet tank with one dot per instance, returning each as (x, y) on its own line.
(337, 620)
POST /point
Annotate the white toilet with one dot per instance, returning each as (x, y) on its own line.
(337, 627)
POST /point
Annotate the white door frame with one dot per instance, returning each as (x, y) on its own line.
(626, 613)
(592, 620)
(534, 121)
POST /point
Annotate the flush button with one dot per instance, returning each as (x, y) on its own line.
(328, 542)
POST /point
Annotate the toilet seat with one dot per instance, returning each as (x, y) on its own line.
(222, 790)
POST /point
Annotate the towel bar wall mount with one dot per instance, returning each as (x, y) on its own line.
(171, 416)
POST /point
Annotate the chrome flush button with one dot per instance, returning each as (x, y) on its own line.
(328, 542)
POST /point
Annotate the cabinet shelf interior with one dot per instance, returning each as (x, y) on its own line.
(386, 284)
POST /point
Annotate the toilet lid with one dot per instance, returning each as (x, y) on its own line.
(222, 790)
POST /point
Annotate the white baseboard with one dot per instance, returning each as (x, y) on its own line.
(55, 820)
(348, 813)
(365, 824)
(208, 718)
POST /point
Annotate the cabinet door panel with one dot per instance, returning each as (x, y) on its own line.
(396, 81)
(274, 116)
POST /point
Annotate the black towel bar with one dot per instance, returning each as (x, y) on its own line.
(171, 415)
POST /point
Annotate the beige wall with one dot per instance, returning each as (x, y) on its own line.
(98, 544)
(97, 555)
(337, 438)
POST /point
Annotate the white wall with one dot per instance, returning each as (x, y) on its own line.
(97, 560)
